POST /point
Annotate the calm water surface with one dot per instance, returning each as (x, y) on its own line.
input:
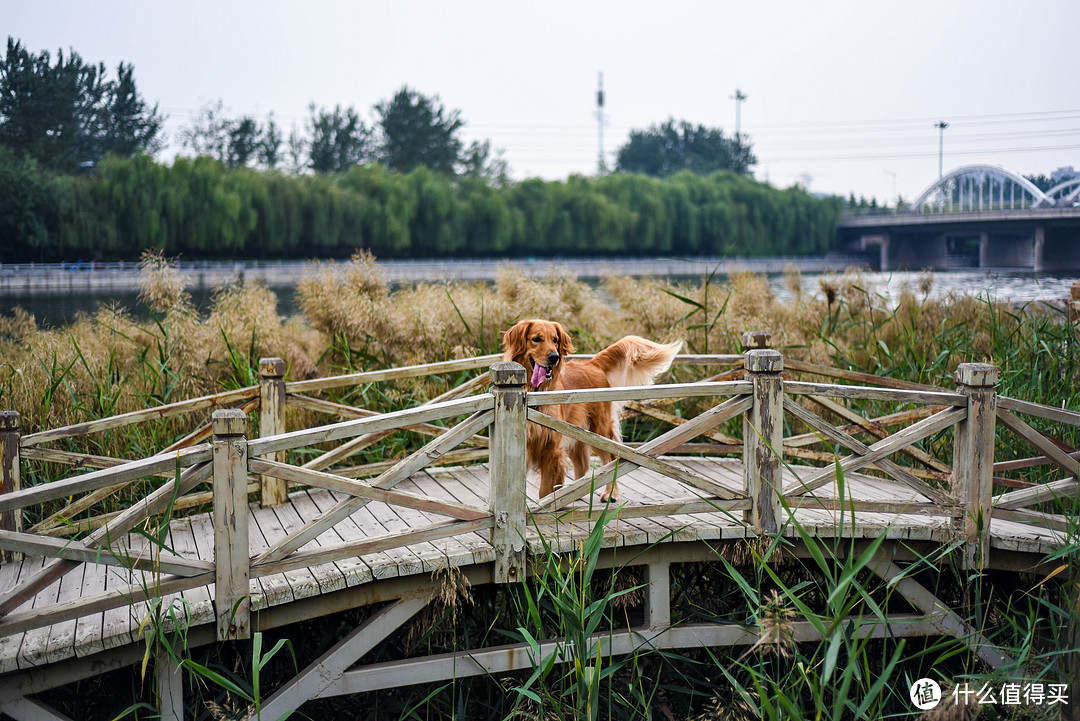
(1017, 287)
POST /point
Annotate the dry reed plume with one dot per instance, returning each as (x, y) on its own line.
(106, 362)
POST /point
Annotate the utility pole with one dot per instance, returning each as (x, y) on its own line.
(940, 125)
(738, 97)
(601, 165)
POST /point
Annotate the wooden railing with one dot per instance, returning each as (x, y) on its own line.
(756, 387)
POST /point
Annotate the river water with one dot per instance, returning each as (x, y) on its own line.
(1014, 286)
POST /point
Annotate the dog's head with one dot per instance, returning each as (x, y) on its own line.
(540, 346)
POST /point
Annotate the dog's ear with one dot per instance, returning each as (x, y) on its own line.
(566, 347)
(514, 340)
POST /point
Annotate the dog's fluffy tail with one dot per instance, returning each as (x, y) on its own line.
(635, 361)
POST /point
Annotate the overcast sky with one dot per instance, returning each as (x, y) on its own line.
(841, 96)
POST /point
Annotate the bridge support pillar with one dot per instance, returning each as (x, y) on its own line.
(1057, 249)
(232, 600)
(914, 251)
(658, 595)
(763, 436)
(973, 459)
(506, 495)
(274, 491)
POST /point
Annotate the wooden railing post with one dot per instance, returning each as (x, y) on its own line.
(763, 437)
(973, 458)
(274, 491)
(231, 560)
(506, 495)
(10, 473)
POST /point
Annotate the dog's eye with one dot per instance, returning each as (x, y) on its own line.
(537, 339)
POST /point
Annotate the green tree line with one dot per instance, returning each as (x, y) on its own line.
(202, 209)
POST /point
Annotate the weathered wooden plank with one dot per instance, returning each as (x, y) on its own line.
(76, 551)
(392, 374)
(281, 588)
(403, 469)
(637, 393)
(1065, 488)
(912, 434)
(678, 421)
(1039, 442)
(1061, 415)
(857, 446)
(849, 375)
(637, 458)
(387, 421)
(327, 576)
(452, 458)
(123, 523)
(1018, 463)
(874, 429)
(831, 390)
(883, 422)
(231, 560)
(333, 482)
(309, 505)
(343, 411)
(1052, 521)
(409, 558)
(347, 449)
(218, 400)
(299, 559)
(131, 471)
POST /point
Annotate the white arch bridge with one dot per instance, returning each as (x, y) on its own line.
(983, 216)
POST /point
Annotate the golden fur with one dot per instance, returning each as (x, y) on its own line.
(541, 346)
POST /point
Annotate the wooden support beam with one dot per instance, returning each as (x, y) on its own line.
(763, 437)
(657, 596)
(1040, 442)
(399, 472)
(10, 473)
(218, 400)
(973, 458)
(515, 657)
(274, 491)
(944, 619)
(324, 672)
(857, 446)
(390, 374)
(883, 448)
(663, 443)
(232, 600)
(506, 491)
(30, 709)
(169, 680)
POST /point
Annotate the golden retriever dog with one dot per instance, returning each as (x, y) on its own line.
(541, 346)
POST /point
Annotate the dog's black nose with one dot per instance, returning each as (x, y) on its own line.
(553, 358)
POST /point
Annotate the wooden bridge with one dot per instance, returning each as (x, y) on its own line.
(77, 588)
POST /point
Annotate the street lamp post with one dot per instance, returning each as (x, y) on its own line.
(940, 125)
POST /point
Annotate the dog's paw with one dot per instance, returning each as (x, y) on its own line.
(607, 497)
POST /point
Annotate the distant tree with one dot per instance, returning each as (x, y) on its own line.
(478, 162)
(208, 134)
(296, 152)
(339, 140)
(130, 126)
(269, 149)
(417, 130)
(68, 114)
(669, 148)
(244, 140)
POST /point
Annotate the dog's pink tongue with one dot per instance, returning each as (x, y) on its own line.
(539, 375)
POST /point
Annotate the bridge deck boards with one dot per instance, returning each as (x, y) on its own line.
(193, 537)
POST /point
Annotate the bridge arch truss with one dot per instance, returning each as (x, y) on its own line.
(972, 188)
(1066, 193)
